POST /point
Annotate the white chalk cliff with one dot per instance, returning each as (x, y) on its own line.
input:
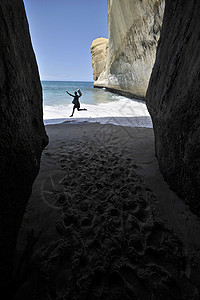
(99, 56)
(134, 30)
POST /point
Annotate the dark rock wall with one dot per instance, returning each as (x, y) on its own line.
(173, 99)
(22, 134)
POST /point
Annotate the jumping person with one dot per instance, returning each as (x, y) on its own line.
(76, 101)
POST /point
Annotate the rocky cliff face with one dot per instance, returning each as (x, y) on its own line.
(173, 100)
(99, 56)
(134, 30)
(22, 134)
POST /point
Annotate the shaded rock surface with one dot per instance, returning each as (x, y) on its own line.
(22, 134)
(134, 30)
(173, 100)
(99, 56)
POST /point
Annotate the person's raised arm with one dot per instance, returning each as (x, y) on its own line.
(80, 94)
(69, 94)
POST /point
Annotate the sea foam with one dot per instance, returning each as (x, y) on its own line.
(121, 111)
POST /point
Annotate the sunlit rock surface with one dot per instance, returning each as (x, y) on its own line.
(173, 100)
(134, 30)
(22, 134)
(99, 56)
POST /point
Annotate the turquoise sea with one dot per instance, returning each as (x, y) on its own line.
(54, 93)
(101, 105)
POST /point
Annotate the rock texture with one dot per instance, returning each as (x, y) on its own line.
(22, 134)
(99, 56)
(134, 30)
(173, 100)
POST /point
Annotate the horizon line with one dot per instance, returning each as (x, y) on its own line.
(66, 80)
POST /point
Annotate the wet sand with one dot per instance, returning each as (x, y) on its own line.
(102, 224)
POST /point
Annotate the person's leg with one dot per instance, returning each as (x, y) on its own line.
(73, 111)
(79, 109)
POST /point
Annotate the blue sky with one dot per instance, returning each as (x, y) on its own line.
(62, 32)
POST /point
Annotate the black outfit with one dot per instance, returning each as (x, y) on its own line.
(76, 102)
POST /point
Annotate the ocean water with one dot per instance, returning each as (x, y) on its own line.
(102, 106)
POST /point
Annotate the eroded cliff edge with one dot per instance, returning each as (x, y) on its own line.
(134, 30)
(173, 100)
(99, 52)
(22, 131)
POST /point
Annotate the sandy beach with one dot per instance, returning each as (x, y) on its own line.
(102, 224)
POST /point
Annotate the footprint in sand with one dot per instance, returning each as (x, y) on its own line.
(86, 222)
(131, 225)
(119, 248)
(70, 220)
(142, 215)
(84, 206)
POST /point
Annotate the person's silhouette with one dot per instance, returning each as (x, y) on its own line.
(76, 101)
